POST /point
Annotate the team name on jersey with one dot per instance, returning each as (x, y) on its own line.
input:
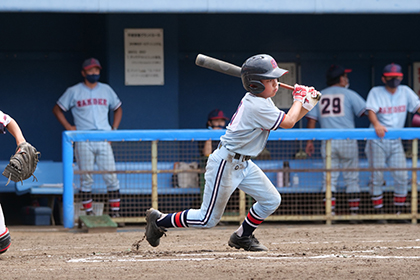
(92, 101)
(390, 110)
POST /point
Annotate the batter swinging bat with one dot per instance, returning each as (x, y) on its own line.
(224, 67)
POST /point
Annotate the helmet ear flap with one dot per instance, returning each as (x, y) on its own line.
(256, 87)
(252, 85)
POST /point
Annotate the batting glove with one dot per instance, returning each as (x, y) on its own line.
(299, 93)
(311, 99)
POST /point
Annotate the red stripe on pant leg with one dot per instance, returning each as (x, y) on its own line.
(354, 203)
(114, 204)
(377, 201)
(332, 201)
(398, 199)
(87, 205)
(178, 219)
(253, 220)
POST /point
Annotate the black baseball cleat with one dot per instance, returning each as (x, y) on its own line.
(153, 231)
(380, 211)
(115, 214)
(248, 243)
(5, 241)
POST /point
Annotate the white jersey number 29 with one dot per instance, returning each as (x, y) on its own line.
(332, 105)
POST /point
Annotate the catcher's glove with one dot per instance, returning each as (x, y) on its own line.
(22, 164)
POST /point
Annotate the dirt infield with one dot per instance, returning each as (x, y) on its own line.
(310, 251)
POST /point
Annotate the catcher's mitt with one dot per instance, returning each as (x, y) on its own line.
(22, 164)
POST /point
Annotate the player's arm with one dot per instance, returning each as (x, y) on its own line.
(296, 112)
(310, 144)
(379, 128)
(117, 118)
(207, 149)
(15, 130)
(58, 113)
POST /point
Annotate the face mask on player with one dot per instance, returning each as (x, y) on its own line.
(93, 78)
(393, 83)
(217, 127)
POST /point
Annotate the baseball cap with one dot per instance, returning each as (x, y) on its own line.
(216, 114)
(336, 71)
(91, 62)
(392, 70)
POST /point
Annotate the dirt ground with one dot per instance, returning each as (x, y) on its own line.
(296, 251)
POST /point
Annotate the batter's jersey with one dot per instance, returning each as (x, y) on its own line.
(337, 108)
(4, 121)
(251, 124)
(391, 109)
(90, 107)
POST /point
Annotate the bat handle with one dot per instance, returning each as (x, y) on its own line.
(286, 86)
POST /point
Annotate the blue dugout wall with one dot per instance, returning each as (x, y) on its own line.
(40, 56)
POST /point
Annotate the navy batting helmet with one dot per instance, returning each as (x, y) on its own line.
(259, 67)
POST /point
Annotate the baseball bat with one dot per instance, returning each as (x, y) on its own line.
(225, 67)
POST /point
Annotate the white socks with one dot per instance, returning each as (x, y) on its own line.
(239, 231)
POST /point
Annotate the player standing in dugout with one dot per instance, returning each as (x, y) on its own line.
(387, 107)
(229, 167)
(337, 110)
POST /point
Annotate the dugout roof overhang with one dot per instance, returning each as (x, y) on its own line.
(215, 6)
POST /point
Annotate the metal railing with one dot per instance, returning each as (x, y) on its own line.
(155, 137)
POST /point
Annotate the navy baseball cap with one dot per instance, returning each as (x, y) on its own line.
(216, 114)
(336, 71)
(392, 70)
(90, 63)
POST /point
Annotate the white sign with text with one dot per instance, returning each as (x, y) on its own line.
(143, 50)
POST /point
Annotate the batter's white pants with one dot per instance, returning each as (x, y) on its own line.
(344, 154)
(223, 175)
(87, 153)
(390, 152)
(2, 223)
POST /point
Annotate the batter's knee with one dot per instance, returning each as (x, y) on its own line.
(5, 241)
(270, 205)
(276, 201)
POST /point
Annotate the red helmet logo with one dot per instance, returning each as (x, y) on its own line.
(274, 63)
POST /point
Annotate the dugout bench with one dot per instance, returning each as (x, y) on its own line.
(50, 179)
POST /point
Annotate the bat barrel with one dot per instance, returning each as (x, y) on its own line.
(224, 67)
(218, 65)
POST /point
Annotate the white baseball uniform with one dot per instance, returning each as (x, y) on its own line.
(2, 222)
(90, 109)
(391, 111)
(336, 110)
(229, 167)
(4, 121)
